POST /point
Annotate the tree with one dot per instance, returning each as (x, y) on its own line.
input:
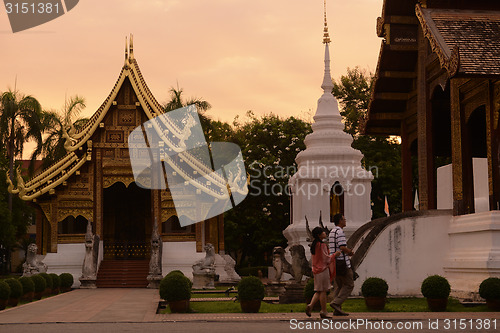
(382, 155)
(269, 145)
(19, 122)
(53, 124)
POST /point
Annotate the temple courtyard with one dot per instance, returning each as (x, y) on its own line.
(114, 310)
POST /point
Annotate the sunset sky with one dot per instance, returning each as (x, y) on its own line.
(260, 55)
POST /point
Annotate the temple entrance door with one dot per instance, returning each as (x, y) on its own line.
(126, 222)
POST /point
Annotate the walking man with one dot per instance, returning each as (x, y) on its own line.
(344, 281)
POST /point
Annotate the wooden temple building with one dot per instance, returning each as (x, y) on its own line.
(94, 182)
(437, 86)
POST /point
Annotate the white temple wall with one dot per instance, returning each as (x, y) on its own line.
(481, 187)
(474, 251)
(68, 259)
(406, 253)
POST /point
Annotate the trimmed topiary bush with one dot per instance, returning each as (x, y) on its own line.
(490, 288)
(250, 288)
(309, 290)
(66, 280)
(16, 288)
(27, 283)
(435, 286)
(56, 280)
(4, 291)
(175, 287)
(175, 272)
(48, 280)
(40, 284)
(374, 287)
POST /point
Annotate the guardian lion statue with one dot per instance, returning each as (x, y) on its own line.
(299, 267)
(207, 264)
(32, 266)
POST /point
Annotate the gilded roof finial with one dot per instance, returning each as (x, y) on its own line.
(131, 46)
(326, 35)
(126, 48)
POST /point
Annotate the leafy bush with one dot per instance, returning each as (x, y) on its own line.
(66, 280)
(435, 286)
(16, 288)
(250, 288)
(253, 271)
(490, 289)
(28, 285)
(48, 280)
(4, 290)
(175, 272)
(179, 273)
(374, 287)
(56, 281)
(175, 287)
(40, 283)
(309, 289)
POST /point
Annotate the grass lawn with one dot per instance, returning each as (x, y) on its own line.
(351, 305)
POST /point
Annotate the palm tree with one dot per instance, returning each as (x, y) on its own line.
(19, 122)
(53, 125)
(177, 101)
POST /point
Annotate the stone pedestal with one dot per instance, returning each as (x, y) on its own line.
(474, 252)
(275, 288)
(88, 283)
(203, 281)
(154, 281)
(294, 293)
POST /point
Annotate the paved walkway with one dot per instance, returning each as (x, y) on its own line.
(140, 305)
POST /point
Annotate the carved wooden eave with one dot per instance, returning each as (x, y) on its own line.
(51, 177)
(448, 58)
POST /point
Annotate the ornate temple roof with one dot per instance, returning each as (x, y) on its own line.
(465, 37)
(474, 34)
(79, 146)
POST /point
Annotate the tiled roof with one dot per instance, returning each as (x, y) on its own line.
(476, 33)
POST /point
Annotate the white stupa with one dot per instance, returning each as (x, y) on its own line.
(329, 178)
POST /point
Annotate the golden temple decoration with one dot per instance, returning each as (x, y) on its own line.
(449, 62)
(326, 35)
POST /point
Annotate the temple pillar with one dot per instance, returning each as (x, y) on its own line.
(98, 195)
(426, 170)
(493, 139)
(406, 168)
(53, 228)
(463, 189)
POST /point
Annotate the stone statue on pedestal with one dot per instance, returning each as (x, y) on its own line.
(204, 270)
(32, 266)
(155, 274)
(89, 268)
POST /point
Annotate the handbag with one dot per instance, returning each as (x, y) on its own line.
(340, 264)
(341, 267)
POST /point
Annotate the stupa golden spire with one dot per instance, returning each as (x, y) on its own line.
(326, 35)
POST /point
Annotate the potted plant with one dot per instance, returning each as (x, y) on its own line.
(28, 288)
(176, 290)
(56, 283)
(66, 281)
(374, 291)
(4, 294)
(437, 290)
(490, 291)
(250, 293)
(48, 283)
(40, 285)
(16, 291)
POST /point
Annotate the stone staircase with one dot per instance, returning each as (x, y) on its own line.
(123, 274)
